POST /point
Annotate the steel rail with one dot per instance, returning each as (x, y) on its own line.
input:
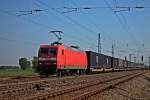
(71, 89)
(86, 95)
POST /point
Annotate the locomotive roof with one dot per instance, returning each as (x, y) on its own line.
(65, 46)
(70, 48)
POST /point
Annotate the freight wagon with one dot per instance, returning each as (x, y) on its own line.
(97, 61)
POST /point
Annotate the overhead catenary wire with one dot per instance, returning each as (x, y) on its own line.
(27, 42)
(99, 29)
(28, 20)
(77, 23)
(31, 21)
(85, 8)
(97, 26)
(24, 19)
(123, 25)
(99, 7)
(89, 18)
(72, 21)
(124, 22)
(128, 27)
(77, 38)
(68, 18)
(29, 12)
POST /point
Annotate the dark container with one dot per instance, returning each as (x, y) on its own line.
(96, 60)
(115, 62)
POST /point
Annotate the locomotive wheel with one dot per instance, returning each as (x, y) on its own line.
(47, 70)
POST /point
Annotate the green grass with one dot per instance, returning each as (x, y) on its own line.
(143, 93)
(17, 72)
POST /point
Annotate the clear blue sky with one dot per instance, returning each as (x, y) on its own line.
(20, 36)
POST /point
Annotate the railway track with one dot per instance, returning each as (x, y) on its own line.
(17, 79)
(83, 91)
(10, 85)
(15, 90)
(57, 88)
(103, 87)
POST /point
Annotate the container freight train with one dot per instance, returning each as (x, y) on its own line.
(100, 62)
(60, 59)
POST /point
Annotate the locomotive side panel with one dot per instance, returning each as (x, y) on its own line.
(74, 59)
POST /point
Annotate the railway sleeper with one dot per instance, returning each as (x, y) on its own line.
(94, 92)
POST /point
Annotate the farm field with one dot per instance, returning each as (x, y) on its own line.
(4, 73)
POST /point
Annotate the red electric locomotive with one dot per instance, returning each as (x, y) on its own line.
(61, 59)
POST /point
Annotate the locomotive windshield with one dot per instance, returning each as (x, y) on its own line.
(48, 51)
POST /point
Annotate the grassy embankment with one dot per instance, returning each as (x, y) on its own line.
(144, 93)
(16, 72)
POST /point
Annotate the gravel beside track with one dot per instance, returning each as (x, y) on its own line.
(37, 88)
(130, 90)
(18, 79)
(25, 88)
(70, 91)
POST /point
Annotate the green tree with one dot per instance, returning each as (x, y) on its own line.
(24, 63)
(35, 62)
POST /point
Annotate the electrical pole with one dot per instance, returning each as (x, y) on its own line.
(142, 58)
(134, 59)
(130, 57)
(112, 50)
(149, 62)
(130, 60)
(125, 63)
(112, 60)
(99, 43)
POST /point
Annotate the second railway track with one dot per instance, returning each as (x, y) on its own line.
(21, 89)
(85, 90)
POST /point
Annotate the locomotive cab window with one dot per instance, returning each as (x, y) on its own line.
(48, 51)
(52, 51)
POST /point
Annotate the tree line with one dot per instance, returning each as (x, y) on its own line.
(9, 67)
(26, 64)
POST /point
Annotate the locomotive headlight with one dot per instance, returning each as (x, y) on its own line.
(52, 59)
(41, 59)
(48, 59)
